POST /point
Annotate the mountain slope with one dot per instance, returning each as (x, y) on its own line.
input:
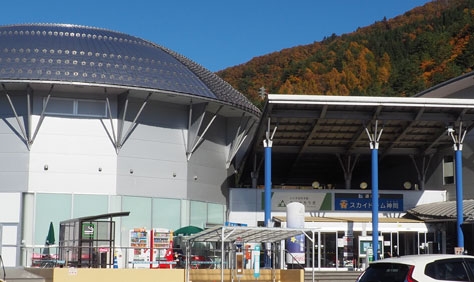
(395, 57)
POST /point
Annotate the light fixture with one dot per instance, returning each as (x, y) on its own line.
(195, 177)
(45, 167)
(363, 185)
(131, 171)
(174, 174)
(315, 184)
(407, 185)
(450, 129)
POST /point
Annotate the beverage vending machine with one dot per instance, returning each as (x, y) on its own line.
(151, 248)
(139, 251)
(162, 248)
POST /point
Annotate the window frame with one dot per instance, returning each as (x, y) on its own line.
(448, 163)
(76, 103)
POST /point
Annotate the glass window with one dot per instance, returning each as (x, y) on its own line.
(140, 212)
(75, 107)
(451, 270)
(60, 106)
(50, 208)
(89, 205)
(198, 215)
(385, 272)
(448, 170)
(166, 213)
(328, 249)
(470, 264)
(91, 108)
(215, 213)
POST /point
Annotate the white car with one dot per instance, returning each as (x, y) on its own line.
(420, 268)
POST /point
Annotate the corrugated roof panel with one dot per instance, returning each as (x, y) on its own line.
(444, 210)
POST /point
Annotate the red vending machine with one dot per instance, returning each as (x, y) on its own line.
(162, 248)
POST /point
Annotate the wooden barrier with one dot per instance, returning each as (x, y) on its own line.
(169, 275)
(266, 275)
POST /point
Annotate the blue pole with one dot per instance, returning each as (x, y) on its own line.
(268, 183)
(375, 203)
(459, 197)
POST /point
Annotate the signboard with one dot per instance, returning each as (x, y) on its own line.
(312, 201)
(256, 261)
(238, 242)
(228, 223)
(365, 245)
(88, 230)
(363, 202)
(239, 261)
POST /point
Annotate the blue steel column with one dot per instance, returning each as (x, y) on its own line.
(267, 143)
(375, 202)
(459, 197)
(268, 181)
(374, 147)
(458, 141)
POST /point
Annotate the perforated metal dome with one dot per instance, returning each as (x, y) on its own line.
(71, 53)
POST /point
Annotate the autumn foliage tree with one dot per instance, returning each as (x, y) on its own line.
(392, 57)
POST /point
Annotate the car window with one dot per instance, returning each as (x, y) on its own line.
(392, 272)
(470, 264)
(448, 270)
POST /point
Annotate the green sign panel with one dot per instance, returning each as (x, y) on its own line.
(88, 230)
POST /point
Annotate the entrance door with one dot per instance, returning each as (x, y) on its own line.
(9, 243)
(410, 243)
(390, 244)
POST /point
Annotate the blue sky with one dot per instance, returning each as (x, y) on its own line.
(214, 33)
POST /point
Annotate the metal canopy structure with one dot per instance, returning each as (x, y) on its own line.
(233, 234)
(320, 133)
(247, 234)
(80, 238)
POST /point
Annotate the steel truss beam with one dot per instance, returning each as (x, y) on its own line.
(26, 125)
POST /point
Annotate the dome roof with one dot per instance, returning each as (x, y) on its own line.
(71, 53)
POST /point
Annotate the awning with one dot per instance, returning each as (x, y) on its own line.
(345, 223)
(246, 234)
(351, 219)
(314, 133)
(442, 211)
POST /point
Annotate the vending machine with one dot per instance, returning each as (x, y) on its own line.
(151, 248)
(162, 248)
(139, 251)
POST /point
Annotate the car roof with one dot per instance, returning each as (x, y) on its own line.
(412, 259)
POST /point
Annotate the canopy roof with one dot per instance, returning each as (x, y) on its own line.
(310, 131)
(442, 211)
(247, 234)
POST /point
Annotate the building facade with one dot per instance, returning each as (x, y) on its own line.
(95, 121)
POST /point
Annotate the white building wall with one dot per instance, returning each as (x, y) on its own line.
(72, 155)
(207, 173)
(10, 228)
(153, 165)
(152, 161)
(14, 153)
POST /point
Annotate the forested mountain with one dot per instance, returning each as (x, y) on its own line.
(393, 57)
